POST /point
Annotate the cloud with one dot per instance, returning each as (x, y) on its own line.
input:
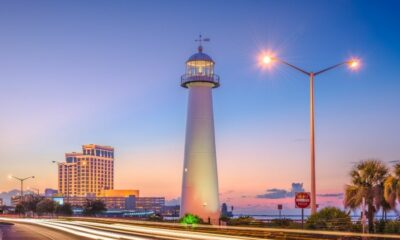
(275, 193)
(338, 195)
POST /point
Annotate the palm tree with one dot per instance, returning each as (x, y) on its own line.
(392, 187)
(367, 181)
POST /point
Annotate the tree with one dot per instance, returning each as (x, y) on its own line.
(329, 218)
(19, 208)
(367, 178)
(392, 187)
(94, 207)
(31, 202)
(45, 206)
(64, 209)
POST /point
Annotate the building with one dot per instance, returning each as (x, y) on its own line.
(1, 202)
(87, 173)
(225, 212)
(15, 200)
(155, 204)
(49, 192)
(119, 193)
(200, 178)
(131, 202)
(171, 211)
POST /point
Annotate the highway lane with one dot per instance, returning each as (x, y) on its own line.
(113, 230)
(104, 231)
(23, 231)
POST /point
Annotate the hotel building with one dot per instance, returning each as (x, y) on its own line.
(88, 173)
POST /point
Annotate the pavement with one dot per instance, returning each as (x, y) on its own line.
(109, 229)
(25, 228)
(22, 231)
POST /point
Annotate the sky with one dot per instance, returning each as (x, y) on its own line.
(108, 72)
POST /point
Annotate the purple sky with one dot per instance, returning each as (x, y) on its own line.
(107, 72)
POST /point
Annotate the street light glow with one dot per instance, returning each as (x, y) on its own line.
(267, 59)
(354, 64)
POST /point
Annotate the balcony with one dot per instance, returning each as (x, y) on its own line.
(210, 78)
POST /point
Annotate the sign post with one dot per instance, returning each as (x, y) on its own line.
(302, 200)
(280, 210)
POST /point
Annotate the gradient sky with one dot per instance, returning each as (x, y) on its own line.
(108, 72)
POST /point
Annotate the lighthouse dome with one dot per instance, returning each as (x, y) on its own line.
(200, 56)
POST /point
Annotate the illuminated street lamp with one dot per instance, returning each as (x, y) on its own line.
(353, 64)
(22, 183)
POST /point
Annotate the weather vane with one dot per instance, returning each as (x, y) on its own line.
(201, 40)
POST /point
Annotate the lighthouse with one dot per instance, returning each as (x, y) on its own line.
(200, 176)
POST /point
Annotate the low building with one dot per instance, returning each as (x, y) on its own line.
(171, 211)
(155, 204)
(15, 200)
(49, 192)
(119, 193)
(147, 204)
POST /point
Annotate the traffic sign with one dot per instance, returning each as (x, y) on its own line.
(302, 200)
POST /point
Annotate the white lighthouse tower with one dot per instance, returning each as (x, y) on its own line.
(200, 177)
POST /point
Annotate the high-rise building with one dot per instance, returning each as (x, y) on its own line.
(87, 173)
(200, 178)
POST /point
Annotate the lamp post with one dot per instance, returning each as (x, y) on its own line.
(66, 176)
(22, 184)
(353, 64)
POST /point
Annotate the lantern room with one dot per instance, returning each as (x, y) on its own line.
(200, 68)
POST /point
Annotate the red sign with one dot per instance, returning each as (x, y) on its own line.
(302, 200)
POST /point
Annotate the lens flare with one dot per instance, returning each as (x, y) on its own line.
(267, 59)
(354, 64)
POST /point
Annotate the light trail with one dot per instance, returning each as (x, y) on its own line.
(108, 231)
(244, 229)
(124, 230)
(159, 232)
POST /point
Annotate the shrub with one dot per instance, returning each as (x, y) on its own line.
(380, 226)
(329, 218)
(392, 227)
(283, 222)
(93, 207)
(190, 219)
(45, 206)
(64, 210)
(242, 220)
(155, 218)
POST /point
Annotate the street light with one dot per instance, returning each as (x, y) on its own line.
(22, 183)
(353, 64)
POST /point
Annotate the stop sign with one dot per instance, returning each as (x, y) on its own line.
(302, 200)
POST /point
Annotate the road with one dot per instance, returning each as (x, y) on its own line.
(38, 229)
(22, 231)
(109, 229)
